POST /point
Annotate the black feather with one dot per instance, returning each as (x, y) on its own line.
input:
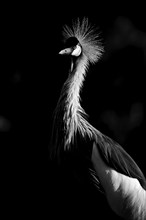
(117, 158)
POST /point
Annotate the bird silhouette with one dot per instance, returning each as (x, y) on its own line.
(113, 170)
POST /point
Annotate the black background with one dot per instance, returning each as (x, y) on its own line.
(31, 77)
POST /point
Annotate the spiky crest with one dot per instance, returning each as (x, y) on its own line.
(87, 36)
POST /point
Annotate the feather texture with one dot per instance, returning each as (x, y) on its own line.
(117, 158)
(70, 121)
(87, 36)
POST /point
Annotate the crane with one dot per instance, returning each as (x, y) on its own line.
(114, 172)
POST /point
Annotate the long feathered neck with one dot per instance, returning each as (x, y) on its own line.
(70, 117)
(74, 113)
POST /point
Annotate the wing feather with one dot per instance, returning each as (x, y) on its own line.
(115, 156)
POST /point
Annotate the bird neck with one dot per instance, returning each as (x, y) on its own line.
(74, 113)
(69, 115)
(75, 83)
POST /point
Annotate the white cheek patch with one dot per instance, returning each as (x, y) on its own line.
(77, 51)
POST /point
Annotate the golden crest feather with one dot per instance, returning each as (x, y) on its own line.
(87, 36)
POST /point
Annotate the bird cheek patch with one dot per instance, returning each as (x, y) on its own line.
(77, 51)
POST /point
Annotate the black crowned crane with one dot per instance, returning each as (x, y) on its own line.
(114, 171)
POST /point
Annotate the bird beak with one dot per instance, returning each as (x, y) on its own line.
(66, 51)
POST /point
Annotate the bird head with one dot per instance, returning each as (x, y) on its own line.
(72, 47)
(82, 39)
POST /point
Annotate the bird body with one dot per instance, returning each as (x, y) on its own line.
(125, 195)
(122, 181)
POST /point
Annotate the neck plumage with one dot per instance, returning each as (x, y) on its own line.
(69, 115)
(74, 113)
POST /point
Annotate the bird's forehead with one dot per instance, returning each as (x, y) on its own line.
(72, 41)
